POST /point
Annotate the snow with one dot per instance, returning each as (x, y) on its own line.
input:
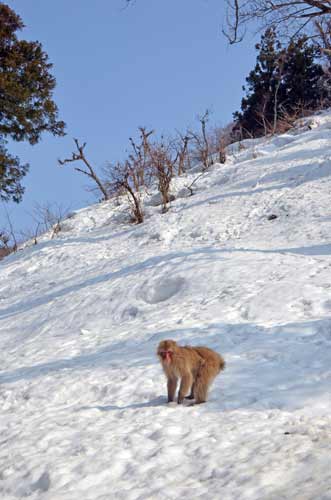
(83, 398)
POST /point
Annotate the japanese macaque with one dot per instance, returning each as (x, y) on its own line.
(195, 366)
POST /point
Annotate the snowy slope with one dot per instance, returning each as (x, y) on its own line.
(83, 406)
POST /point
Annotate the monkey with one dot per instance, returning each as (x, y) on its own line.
(195, 366)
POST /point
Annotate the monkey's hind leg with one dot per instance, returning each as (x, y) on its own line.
(191, 395)
(200, 392)
(202, 383)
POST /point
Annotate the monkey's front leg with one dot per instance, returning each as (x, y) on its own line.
(185, 386)
(172, 386)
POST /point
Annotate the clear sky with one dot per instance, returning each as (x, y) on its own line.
(157, 63)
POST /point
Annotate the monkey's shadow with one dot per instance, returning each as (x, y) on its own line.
(160, 401)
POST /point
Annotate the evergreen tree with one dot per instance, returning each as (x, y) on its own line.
(302, 75)
(26, 99)
(282, 80)
(11, 174)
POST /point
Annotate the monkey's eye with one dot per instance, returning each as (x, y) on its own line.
(166, 354)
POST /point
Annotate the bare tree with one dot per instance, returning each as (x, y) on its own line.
(122, 179)
(261, 117)
(201, 143)
(162, 162)
(139, 158)
(221, 149)
(219, 138)
(286, 118)
(48, 216)
(5, 248)
(323, 40)
(181, 148)
(9, 238)
(279, 75)
(323, 29)
(290, 16)
(79, 156)
(32, 234)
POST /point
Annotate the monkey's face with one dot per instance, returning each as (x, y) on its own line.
(166, 351)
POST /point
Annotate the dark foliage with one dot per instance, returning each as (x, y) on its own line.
(11, 174)
(284, 79)
(26, 99)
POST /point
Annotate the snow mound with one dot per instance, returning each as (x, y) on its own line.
(162, 289)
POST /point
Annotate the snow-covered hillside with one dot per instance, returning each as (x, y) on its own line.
(83, 398)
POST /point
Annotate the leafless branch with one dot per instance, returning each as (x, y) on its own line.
(291, 15)
(48, 216)
(11, 233)
(201, 143)
(90, 171)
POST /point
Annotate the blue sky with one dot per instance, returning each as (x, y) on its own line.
(157, 63)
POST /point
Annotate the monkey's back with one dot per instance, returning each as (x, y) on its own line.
(212, 358)
(190, 359)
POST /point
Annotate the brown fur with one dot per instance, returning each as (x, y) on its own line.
(195, 366)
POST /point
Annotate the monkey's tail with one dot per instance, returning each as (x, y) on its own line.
(222, 364)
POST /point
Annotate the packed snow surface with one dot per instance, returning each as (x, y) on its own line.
(242, 266)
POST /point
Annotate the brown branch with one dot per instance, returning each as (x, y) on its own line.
(91, 173)
(273, 13)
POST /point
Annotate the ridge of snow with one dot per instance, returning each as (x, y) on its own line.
(84, 411)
